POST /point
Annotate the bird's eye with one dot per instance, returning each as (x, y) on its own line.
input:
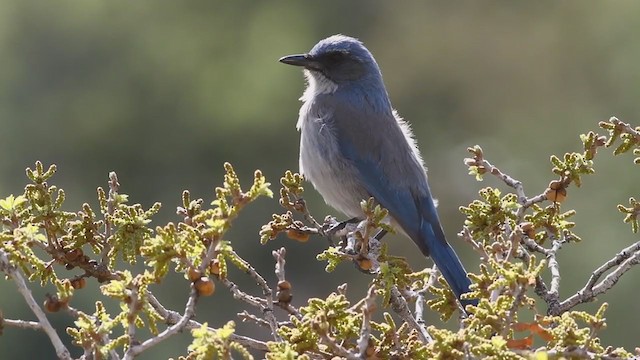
(336, 56)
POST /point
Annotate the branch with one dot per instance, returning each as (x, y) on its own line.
(479, 161)
(284, 287)
(419, 312)
(245, 316)
(511, 314)
(267, 306)
(400, 306)
(241, 295)
(189, 312)
(173, 317)
(114, 186)
(22, 324)
(337, 349)
(90, 351)
(278, 255)
(5, 266)
(549, 295)
(365, 331)
(624, 261)
(554, 267)
(625, 128)
(301, 206)
(615, 261)
(131, 316)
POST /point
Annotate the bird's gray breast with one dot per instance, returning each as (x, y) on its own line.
(322, 163)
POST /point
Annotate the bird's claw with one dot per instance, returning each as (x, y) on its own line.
(331, 227)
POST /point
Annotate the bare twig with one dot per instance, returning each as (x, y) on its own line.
(342, 289)
(541, 288)
(284, 294)
(549, 295)
(22, 324)
(267, 307)
(278, 255)
(465, 235)
(533, 246)
(337, 349)
(301, 206)
(131, 316)
(525, 202)
(92, 351)
(515, 238)
(419, 312)
(615, 261)
(241, 295)
(245, 316)
(400, 307)
(189, 312)
(5, 266)
(517, 298)
(365, 331)
(172, 317)
(554, 267)
(114, 186)
(624, 260)
(290, 309)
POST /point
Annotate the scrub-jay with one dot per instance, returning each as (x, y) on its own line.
(354, 146)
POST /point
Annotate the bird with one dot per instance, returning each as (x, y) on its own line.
(354, 145)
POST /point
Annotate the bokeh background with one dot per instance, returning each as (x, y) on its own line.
(165, 92)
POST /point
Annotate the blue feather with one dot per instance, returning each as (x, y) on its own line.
(417, 216)
(354, 145)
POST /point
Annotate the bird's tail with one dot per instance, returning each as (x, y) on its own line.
(431, 240)
(448, 264)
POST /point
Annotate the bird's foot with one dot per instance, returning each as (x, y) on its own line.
(331, 227)
(380, 234)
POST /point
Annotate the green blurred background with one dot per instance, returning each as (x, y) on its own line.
(164, 92)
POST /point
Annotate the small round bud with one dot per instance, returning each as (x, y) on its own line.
(556, 191)
(194, 274)
(364, 263)
(284, 285)
(78, 283)
(555, 185)
(297, 235)
(528, 229)
(53, 304)
(214, 267)
(284, 296)
(204, 286)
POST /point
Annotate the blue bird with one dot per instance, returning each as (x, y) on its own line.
(354, 146)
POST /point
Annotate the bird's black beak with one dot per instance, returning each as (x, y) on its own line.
(305, 60)
(296, 60)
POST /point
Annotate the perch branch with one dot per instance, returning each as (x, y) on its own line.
(5, 266)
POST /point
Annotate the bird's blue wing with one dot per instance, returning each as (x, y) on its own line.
(412, 207)
(416, 214)
(400, 201)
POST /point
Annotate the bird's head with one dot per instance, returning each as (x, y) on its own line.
(338, 58)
